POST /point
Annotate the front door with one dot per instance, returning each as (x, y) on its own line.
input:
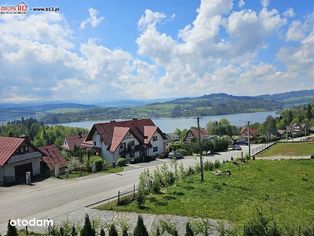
(20, 171)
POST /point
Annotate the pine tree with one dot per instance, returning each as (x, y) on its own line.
(125, 232)
(309, 112)
(73, 232)
(88, 230)
(113, 231)
(158, 232)
(11, 230)
(61, 231)
(189, 231)
(140, 229)
(290, 117)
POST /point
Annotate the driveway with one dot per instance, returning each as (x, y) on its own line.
(53, 198)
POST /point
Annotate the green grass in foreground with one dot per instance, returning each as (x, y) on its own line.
(286, 187)
(289, 149)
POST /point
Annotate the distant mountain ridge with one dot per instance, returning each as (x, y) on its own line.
(211, 104)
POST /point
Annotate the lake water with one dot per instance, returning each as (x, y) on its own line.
(168, 125)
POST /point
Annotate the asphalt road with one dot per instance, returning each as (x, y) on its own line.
(53, 198)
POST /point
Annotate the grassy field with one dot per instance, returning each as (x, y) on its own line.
(289, 149)
(286, 187)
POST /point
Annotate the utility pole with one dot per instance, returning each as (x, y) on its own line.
(200, 147)
(248, 138)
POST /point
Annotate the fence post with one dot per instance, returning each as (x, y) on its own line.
(119, 198)
(133, 191)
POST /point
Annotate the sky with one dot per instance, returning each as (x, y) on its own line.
(94, 51)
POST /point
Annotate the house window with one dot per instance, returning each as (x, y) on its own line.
(132, 143)
(155, 138)
(122, 146)
(131, 154)
(155, 149)
(94, 143)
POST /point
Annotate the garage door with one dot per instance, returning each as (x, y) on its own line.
(20, 170)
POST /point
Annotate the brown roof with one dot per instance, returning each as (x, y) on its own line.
(194, 132)
(245, 130)
(112, 136)
(8, 147)
(118, 135)
(149, 131)
(75, 140)
(53, 157)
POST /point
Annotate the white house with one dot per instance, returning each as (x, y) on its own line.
(129, 139)
(18, 156)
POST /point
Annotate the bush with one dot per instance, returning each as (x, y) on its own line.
(261, 226)
(183, 151)
(156, 183)
(217, 164)
(163, 155)
(121, 162)
(175, 147)
(99, 162)
(190, 171)
(208, 166)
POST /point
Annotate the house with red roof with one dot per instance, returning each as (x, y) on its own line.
(244, 133)
(129, 139)
(18, 156)
(70, 142)
(53, 159)
(193, 134)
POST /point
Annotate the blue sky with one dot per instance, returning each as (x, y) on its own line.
(93, 51)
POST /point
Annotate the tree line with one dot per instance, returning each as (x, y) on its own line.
(268, 129)
(39, 133)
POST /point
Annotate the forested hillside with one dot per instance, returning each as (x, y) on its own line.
(39, 133)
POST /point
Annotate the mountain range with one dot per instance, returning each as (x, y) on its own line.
(212, 104)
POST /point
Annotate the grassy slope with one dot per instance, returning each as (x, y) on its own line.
(289, 149)
(286, 186)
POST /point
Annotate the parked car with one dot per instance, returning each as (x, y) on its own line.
(236, 147)
(242, 142)
(175, 154)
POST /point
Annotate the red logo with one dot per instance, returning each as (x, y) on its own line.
(20, 8)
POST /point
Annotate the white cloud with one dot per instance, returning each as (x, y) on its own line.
(298, 30)
(295, 32)
(217, 52)
(265, 3)
(150, 19)
(94, 20)
(241, 3)
(289, 13)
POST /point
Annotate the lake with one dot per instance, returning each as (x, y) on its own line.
(168, 125)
